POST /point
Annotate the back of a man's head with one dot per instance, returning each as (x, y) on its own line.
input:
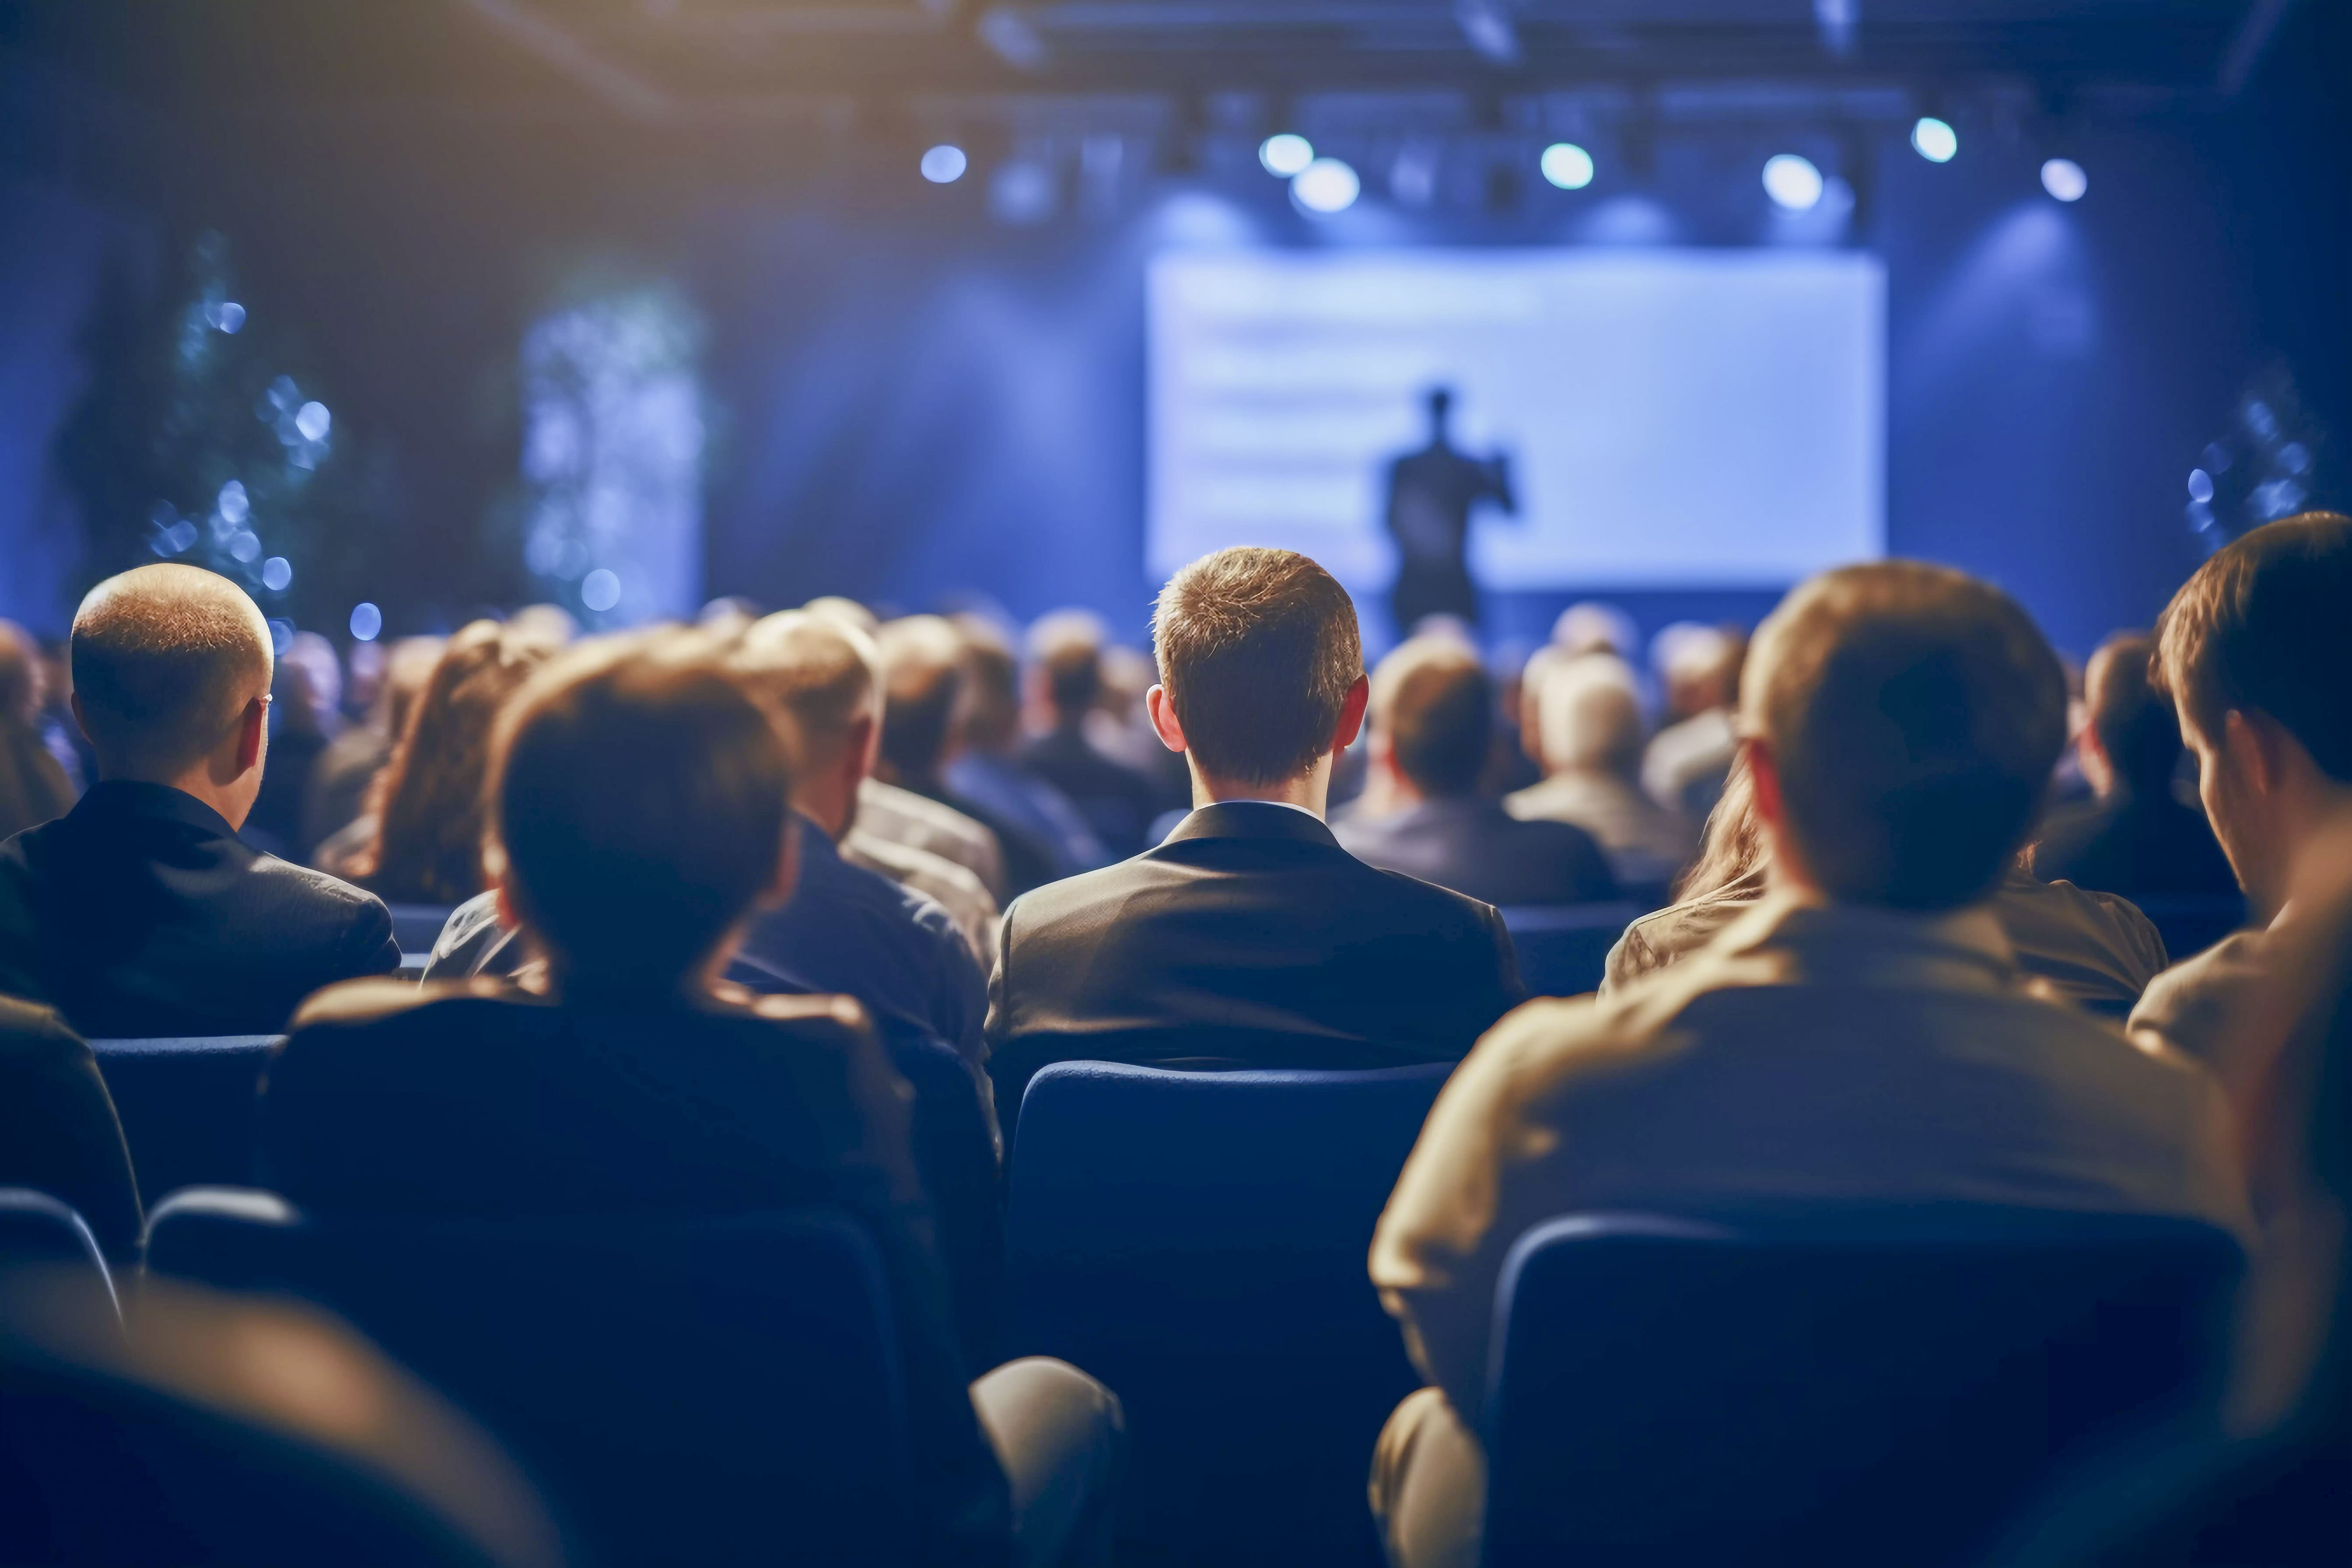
(2130, 716)
(1257, 650)
(2265, 626)
(992, 684)
(1913, 715)
(1067, 647)
(923, 677)
(822, 675)
(1430, 698)
(640, 793)
(166, 659)
(1592, 715)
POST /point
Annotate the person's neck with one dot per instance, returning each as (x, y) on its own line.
(832, 809)
(2320, 847)
(233, 803)
(1309, 791)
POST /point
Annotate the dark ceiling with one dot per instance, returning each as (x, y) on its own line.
(656, 60)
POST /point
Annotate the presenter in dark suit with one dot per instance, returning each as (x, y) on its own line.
(1432, 493)
(1249, 938)
(140, 912)
(1432, 713)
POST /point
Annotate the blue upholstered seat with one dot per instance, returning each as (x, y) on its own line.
(39, 1232)
(710, 1389)
(190, 1108)
(1197, 1240)
(1562, 950)
(1866, 1389)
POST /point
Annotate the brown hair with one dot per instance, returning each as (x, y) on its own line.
(1913, 716)
(1257, 650)
(428, 800)
(922, 673)
(165, 657)
(2266, 626)
(1430, 698)
(2130, 714)
(639, 795)
(1067, 648)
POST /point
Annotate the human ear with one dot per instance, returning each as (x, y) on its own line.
(253, 728)
(1352, 714)
(1162, 709)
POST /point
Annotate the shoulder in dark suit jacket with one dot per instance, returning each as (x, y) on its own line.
(59, 1132)
(1475, 848)
(140, 913)
(1249, 938)
(471, 1098)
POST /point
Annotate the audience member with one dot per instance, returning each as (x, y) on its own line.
(641, 802)
(2094, 950)
(428, 807)
(1861, 1036)
(845, 930)
(1249, 935)
(60, 734)
(1687, 761)
(2137, 840)
(1432, 718)
(59, 1133)
(2256, 650)
(1590, 627)
(922, 668)
(1066, 671)
(1121, 729)
(34, 787)
(306, 705)
(140, 912)
(346, 770)
(1592, 720)
(953, 887)
(988, 767)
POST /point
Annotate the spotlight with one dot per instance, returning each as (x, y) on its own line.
(367, 622)
(1326, 185)
(1567, 165)
(1286, 155)
(1935, 139)
(945, 164)
(2064, 178)
(276, 573)
(1792, 183)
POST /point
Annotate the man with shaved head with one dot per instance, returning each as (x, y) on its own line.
(140, 912)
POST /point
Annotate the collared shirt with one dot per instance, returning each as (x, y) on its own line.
(1812, 1056)
(2094, 950)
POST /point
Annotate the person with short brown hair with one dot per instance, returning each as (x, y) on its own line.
(641, 816)
(1861, 1037)
(1066, 656)
(1433, 724)
(140, 912)
(2256, 651)
(1249, 935)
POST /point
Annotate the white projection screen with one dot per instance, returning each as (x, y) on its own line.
(1672, 418)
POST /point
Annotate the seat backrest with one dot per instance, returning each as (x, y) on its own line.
(190, 1108)
(1563, 950)
(417, 927)
(1856, 1390)
(713, 1389)
(1197, 1240)
(231, 1430)
(39, 1232)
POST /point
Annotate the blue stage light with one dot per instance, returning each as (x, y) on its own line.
(1325, 186)
(1935, 139)
(945, 164)
(367, 621)
(1286, 155)
(1792, 183)
(2064, 179)
(1567, 165)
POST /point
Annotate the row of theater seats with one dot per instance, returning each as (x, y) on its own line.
(1664, 1389)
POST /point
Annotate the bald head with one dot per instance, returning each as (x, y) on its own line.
(821, 673)
(167, 661)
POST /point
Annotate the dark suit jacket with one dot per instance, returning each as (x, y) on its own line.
(140, 913)
(1476, 848)
(473, 1098)
(59, 1133)
(1117, 802)
(1252, 939)
(2143, 845)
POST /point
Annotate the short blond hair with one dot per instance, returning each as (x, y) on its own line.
(822, 674)
(1257, 650)
(165, 659)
